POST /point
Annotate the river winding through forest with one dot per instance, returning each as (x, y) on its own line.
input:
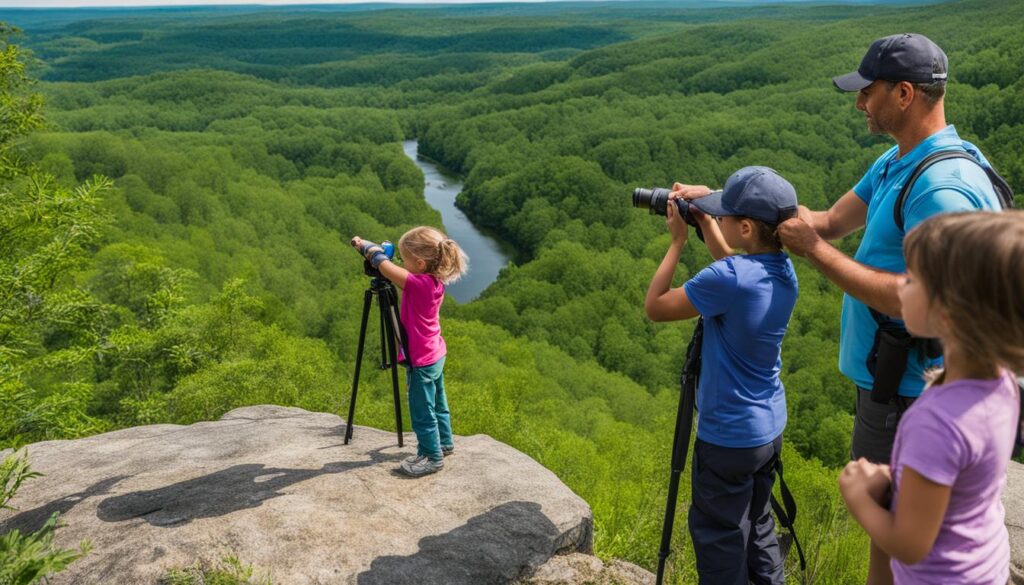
(487, 255)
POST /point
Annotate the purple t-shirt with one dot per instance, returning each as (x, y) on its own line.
(961, 435)
(419, 311)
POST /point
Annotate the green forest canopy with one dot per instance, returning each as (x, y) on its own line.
(244, 148)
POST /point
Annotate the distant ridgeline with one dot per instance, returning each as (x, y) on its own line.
(246, 145)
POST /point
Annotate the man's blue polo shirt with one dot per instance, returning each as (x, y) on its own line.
(746, 302)
(951, 185)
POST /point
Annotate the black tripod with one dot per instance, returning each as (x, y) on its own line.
(681, 439)
(391, 333)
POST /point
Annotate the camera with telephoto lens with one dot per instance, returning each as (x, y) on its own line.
(368, 269)
(656, 202)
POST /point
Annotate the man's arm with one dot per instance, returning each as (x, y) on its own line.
(845, 216)
(875, 288)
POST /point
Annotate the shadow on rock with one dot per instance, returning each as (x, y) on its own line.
(32, 520)
(236, 488)
(495, 547)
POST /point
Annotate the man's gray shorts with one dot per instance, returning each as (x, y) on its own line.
(874, 426)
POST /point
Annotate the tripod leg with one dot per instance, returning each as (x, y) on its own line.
(383, 331)
(680, 446)
(367, 300)
(390, 319)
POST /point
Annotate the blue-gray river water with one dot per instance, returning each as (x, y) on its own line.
(487, 255)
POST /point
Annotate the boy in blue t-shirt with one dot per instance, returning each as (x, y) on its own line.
(746, 301)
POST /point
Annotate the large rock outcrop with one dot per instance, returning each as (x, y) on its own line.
(277, 488)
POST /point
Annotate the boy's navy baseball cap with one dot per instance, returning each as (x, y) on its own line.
(755, 192)
(903, 57)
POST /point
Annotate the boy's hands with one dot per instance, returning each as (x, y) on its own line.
(676, 225)
(861, 478)
(702, 218)
(690, 191)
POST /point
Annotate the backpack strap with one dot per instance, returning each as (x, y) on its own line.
(999, 184)
(786, 512)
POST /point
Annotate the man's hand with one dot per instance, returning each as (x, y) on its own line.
(861, 478)
(676, 225)
(690, 191)
(804, 213)
(797, 235)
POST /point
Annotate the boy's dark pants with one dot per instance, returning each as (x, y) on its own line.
(730, 517)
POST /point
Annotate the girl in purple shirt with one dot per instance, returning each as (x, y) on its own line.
(944, 523)
(431, 261)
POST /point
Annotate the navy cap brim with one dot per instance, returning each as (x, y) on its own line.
(712, 204)
(851, 82)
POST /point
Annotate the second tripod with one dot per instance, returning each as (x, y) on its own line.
(391, 334)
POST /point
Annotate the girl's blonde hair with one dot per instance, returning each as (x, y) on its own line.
(972, 264)
(444, 258)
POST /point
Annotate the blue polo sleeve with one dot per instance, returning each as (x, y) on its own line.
(712, 290)
(865, 188)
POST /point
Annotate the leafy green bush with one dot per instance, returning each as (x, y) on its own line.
(29, 558)
(227, 571)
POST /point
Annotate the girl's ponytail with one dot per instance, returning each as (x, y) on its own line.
(445, 259)
(452, 262)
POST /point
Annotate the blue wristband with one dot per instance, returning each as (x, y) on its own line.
(378, 258)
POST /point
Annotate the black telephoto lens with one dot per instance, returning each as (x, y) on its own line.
(656, 202)
(652, 200)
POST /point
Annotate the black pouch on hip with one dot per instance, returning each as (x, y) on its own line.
(887, 361)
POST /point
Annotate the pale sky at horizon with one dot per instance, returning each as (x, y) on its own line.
(155, 3)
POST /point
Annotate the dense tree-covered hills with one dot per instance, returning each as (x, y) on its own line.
(244, 147)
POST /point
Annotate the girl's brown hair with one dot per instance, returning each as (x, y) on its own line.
(972, 264)
(444, 258)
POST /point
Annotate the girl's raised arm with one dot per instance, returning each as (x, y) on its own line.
(375, 255)
(394, 273)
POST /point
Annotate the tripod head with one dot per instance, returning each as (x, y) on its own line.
(379, 283)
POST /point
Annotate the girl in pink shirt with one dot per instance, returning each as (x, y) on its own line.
(944, 523)
(431, 261)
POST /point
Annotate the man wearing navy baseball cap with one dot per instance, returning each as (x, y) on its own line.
(746, 301)
(900, 85)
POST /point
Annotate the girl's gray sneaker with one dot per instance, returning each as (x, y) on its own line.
(446, 451)
(420, 465)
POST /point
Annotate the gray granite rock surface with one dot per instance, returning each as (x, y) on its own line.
(277, 488)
